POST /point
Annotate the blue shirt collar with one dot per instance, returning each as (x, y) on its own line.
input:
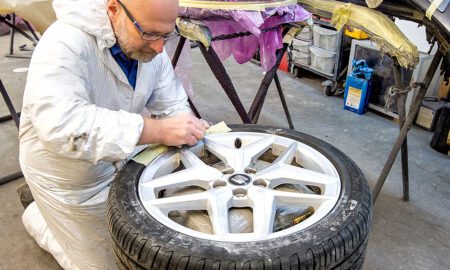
(115, 50)
(128, 66)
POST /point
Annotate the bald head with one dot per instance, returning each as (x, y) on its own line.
(153, 16)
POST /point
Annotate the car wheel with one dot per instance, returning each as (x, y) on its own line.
(255, 198)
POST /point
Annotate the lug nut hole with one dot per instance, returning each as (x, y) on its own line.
(238, 143)
(260, 183)
(240, 192)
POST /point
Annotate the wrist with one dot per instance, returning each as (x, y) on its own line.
(152, 131)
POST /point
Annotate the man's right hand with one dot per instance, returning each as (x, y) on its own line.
(177, 130)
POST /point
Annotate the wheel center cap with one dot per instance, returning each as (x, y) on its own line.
(239, 179)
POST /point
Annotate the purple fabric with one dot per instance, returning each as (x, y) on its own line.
(222, 22)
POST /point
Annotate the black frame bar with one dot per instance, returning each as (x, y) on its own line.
(14, 116)
(407, 125)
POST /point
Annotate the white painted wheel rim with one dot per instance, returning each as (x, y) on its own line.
(240, 184)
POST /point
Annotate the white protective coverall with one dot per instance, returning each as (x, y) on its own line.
(80, 120)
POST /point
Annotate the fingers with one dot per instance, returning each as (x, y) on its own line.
(191, 140)
(205, 124)
(183, 129)
(198, 133)
(199, 124)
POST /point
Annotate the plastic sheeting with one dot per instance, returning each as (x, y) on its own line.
(235, 5)
(373, 3)
(184, 65)
(38, 12)
(379, 28)
(225, 22)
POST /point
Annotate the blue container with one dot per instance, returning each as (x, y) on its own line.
(357, 88)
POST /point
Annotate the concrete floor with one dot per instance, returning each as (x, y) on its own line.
(404, 235)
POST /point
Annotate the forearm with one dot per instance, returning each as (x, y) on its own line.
(152, 131)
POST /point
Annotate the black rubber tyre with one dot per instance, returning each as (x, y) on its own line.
(338, 241)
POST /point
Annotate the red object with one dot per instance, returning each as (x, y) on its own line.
(284, 63)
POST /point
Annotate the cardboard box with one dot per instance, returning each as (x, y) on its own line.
(444, 89)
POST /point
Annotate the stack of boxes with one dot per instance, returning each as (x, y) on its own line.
(299, 50)
(323, 52)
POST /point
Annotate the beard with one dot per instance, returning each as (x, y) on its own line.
(132, 53)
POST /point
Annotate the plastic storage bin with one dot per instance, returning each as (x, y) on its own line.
(325, 38)
(301, 45)
(305, 34)
(301, 58)
(322, 60)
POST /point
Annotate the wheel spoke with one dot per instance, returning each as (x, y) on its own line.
(223, 152)
(197, 173)
(184, 178)
(218, 206)
(197, 201)
(287, 156)
(283, 198)
(264, 209)
(256, 149)
(278, 174)
(239, 159)
(190, 160)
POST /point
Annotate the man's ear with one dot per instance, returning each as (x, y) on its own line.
(112, 9)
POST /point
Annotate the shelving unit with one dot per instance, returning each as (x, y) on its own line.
(331, 87)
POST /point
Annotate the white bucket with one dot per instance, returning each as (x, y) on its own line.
(301, 45)
(301, 58)
(305, 34)
(325, 38)
(322, 60)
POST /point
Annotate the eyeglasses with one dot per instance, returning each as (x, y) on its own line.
(148, 35)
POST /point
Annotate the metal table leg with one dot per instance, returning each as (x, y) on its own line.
(14, 28)
(220, 73)
(9, 105)
(31, 30)
(401, 100)
(258, 101)
(409, 120)
(15, 117)
(11, 35)
(283, 102)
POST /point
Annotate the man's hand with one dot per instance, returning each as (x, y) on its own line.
(177, 130)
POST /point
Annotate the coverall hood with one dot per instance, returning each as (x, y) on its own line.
(88, 15)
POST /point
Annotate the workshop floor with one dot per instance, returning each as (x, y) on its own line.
(404, 235)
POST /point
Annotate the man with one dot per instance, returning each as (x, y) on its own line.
(93, 72)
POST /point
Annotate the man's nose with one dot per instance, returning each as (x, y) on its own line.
(157, 45)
